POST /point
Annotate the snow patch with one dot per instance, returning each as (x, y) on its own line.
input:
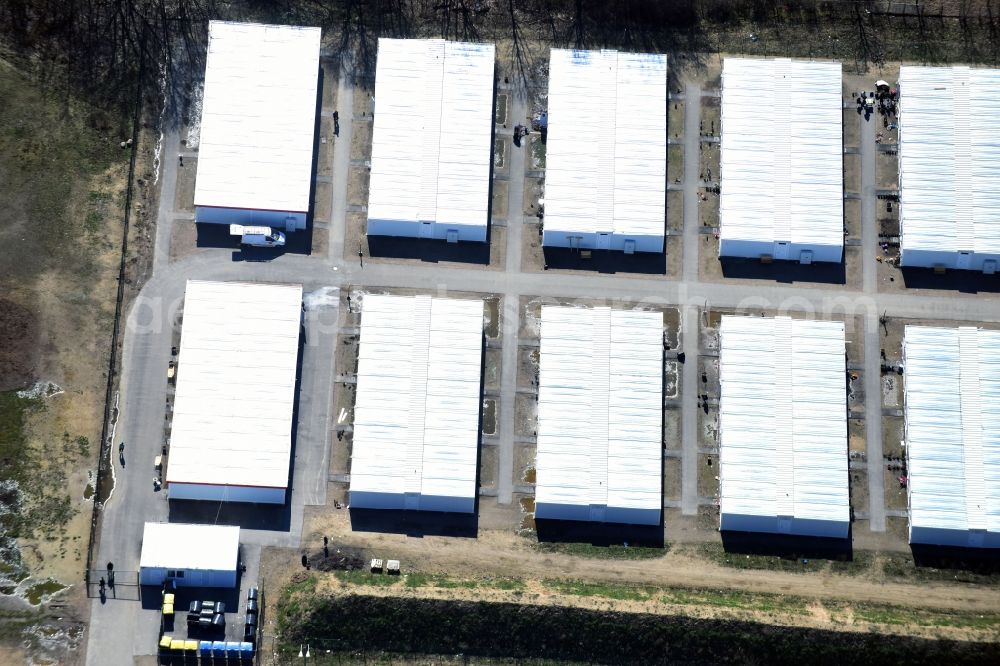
(40, 390)
(324, 297)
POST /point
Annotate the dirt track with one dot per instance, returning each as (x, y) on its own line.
(501, 553)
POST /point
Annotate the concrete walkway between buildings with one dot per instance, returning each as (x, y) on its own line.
(873, 345)
(689, 314)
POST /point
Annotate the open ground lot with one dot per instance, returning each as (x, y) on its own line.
(63, 177)
(861, 591)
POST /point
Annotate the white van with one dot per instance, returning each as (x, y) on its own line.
(257, 236)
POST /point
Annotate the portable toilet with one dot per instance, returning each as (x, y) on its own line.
(219, 649)
(205, 649)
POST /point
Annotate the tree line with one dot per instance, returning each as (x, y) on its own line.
(101, 48)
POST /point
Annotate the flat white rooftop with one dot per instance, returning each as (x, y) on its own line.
(949, 166)
(417, 405)
(191, 547)
(258, 117)
(600, 416)
(783, 426)
(432, 141)
(952, 410)
(781, 181)
(606, 152)
(232, 419)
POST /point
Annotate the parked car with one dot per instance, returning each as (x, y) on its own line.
(257, 236)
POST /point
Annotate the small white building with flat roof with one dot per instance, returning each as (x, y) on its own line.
(432, 142)
(231, 431)
(781, 180)
(951, 393)
(600, 416)
(949, 167)
(189, 555)
(417, 404)
(783, 427)
(606, 151)
(258, 124)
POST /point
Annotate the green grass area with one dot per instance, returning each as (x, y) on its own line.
(612, 552)
(296, 599)
(437, 580)
(361, 577)
(13, 623)
(619, 591)
(736, 599)
(36, 592)
(899, 616)
(15, 470)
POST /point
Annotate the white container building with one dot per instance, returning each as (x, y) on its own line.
(782, 180)
(190, 555)
(600, 416)
(231, 433)
(432, 141)
(783, 427)
(951, 386)
(258, 123)
(417, 404)
(606, 151)
(949, 167)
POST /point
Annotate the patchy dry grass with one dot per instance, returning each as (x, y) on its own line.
(62, 180)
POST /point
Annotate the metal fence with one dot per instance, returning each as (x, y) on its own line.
(125, 587)
(104, 456)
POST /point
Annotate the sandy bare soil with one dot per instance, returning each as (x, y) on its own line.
(502, 553)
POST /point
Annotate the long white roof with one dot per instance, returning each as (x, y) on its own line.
(783, 419)
(232, 419)
(782, 152)
(433, 127)
(952, 404)
(600, 411)
(416, 413)
(949, 158)
(258, 117)
(191, 547)
(606, 151)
